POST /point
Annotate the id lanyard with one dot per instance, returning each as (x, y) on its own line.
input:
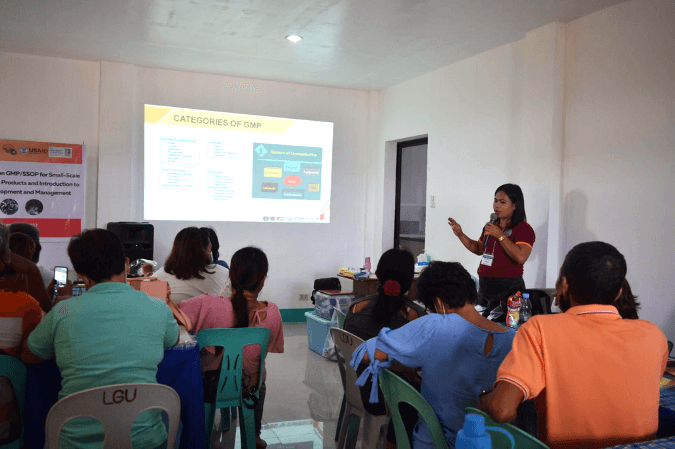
(488, 258)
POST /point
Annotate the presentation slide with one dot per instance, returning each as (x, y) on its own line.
(220, 166)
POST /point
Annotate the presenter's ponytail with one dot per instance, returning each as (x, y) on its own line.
(395, 272)
(248, 269)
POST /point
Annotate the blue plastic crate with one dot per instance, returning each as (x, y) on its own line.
(317, 331)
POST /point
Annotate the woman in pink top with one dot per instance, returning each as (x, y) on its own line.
(239, 307)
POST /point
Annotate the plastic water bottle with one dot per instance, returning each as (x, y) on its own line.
(474, 434)
(525, 309)
(513, 314)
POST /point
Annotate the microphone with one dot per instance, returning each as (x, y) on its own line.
(494, 219)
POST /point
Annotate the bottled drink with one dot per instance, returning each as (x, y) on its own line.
(525, 309)
(513, 314)
(474, 434)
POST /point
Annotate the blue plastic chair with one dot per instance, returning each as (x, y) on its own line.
(14, 370)
(230, 383)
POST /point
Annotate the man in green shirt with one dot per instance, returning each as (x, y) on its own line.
(110, 335)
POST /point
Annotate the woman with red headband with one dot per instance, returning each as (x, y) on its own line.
(389, 307)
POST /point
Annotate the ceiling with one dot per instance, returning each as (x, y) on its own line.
(360, 44)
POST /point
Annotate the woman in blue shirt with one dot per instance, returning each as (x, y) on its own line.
(457, 349)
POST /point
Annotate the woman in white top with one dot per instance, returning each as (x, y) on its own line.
(189, 269)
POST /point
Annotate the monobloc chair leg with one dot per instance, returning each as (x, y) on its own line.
(225, 419)
(210, 415)
(372, 429)
(349, 429)
(342, 412)
(247, 427)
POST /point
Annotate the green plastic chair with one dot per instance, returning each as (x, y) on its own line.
(229, 385)
(341, 318)
(523, 439)
(397, 390)
(14, 370)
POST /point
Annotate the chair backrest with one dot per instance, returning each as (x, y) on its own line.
(233, 340)
(115, 407)
(397, 390)
(15, 371)
(341, 318)
(346, 343)
(670, 347)
(523, 439)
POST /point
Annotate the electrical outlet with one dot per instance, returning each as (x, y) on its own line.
(303, 297)
(433, 200)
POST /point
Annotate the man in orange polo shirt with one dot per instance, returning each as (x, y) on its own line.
(594, 376)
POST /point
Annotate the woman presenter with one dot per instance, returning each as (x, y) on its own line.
(505, 244)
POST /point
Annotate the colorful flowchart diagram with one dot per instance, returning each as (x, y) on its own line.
(286, 172)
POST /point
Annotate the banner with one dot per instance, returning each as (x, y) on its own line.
(43, 183)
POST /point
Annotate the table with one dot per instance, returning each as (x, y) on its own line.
(365, 287)
(180, 369)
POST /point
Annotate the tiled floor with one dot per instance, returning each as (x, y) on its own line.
(304, 394)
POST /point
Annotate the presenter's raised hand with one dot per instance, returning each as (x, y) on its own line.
(456, 228)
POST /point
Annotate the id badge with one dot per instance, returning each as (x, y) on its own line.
(487, 260)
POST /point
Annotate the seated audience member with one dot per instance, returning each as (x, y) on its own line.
(19, 312)
(594, 376)
(215, 246)
(240, 308)
(189, 269)
(458, 350)
(19, 315)
(18, 274)
(390, 306)
(112, 334)
(21, 244)
(33, 232)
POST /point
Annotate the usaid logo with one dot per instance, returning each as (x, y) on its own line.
(26, 150)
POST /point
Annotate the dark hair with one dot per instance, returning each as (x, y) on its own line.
(394, 265)
(516, 196)
(188, 258)
(97, 253)
(32, 232)
(213, 238)
(595, 272)
(248, 269)
(448, 281)
(21, 244)
(626, 304)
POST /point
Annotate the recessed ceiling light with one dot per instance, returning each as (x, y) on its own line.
(294, 38)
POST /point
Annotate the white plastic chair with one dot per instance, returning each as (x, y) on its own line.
(115, 407)
(346, 343)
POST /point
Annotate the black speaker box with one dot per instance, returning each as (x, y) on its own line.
(137, 238)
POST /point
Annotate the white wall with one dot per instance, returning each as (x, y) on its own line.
(298, 253)
(472, 113)
(53, 100)
(581, 116)
(619, 156)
